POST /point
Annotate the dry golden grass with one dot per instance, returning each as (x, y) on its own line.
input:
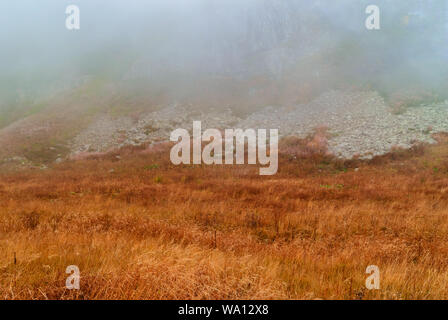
(140, 228)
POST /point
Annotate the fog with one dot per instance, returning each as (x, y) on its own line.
(257, 51)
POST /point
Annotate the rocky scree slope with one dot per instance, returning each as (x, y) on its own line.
(359, 124)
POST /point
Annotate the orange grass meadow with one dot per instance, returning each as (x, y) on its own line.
(140, 228)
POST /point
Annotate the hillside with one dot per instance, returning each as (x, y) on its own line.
(359, 123)
(86, 179)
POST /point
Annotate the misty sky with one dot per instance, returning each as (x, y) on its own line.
(236, 37)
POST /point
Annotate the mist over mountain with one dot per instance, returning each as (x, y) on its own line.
(130, 56)
(163, 40)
